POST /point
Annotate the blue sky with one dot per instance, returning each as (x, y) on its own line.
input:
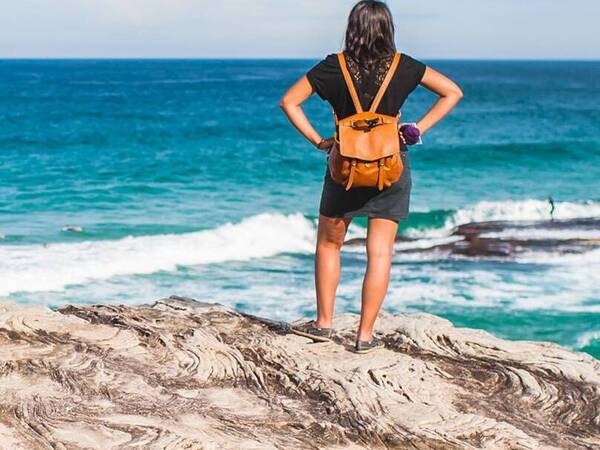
(300, 28)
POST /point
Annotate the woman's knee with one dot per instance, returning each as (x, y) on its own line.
(331, 232)
(329, 241)
(380, 238)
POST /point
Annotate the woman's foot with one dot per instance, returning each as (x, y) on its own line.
(368, 346)
(311, 330)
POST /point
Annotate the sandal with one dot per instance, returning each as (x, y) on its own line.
(368, 346)
(311, 330)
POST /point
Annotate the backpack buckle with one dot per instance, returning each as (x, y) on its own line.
(365, 124)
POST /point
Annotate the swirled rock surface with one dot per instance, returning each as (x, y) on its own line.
(180, 374)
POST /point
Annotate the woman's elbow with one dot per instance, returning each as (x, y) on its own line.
(453, 94)
(457, 93)
(285, 103)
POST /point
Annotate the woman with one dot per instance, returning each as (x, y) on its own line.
(369, 50)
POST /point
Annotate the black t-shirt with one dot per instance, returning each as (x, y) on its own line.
(327, 81)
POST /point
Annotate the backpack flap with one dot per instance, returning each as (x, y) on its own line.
(368, 136)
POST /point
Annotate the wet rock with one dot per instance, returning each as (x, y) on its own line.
(506, 239)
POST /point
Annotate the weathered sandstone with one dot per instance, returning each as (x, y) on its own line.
(185, 375)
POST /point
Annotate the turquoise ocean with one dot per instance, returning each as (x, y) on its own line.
(187, 179)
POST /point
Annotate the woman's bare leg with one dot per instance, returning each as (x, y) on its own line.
(380, 246)
(330, 238)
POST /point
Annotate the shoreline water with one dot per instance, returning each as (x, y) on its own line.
(552, 245)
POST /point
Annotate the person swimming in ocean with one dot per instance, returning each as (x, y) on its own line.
(552, 208)
(72, 228)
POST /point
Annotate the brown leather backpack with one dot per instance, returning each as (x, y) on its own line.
(366, 150)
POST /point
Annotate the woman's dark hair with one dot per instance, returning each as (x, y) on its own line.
(370, 33)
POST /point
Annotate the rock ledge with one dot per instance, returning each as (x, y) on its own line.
(180, 374)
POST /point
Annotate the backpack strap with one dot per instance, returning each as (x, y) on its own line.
(349, 83)
(386, 82)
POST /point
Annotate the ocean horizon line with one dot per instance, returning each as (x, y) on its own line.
(251, 59)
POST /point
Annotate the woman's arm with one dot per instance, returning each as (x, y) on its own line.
(449, 94)
(291, 103)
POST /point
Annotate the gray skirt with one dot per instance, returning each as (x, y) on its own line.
(391, 203)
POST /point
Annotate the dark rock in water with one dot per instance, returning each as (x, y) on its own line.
(502, 225)
(473, 244)
(186, 375)
(362, 241)
(476, 246)
(355, 242)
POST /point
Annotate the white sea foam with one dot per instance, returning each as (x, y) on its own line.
(526, 210)
(587, 338)
(563, 289)
(522, 210)
(426, 243)
(541, 233)
(356, 231)
(585, 261)
(511, 210)
(35, 268)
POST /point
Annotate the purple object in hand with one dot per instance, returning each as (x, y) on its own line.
(411, 134)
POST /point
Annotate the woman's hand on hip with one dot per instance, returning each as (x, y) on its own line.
(325, 144)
